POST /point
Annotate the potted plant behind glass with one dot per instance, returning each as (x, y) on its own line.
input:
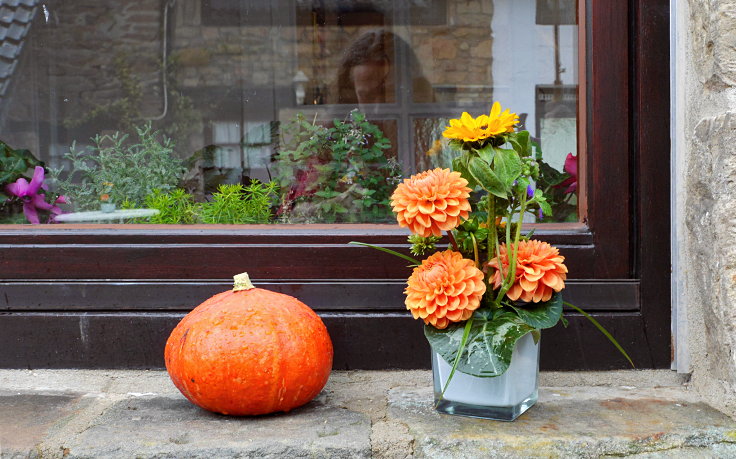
(482, 319)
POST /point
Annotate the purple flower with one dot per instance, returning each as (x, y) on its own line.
(32, 200)
(529, 191)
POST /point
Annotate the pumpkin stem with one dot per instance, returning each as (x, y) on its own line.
(242, 282)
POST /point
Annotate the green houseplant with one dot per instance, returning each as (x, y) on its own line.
(337, 173)
(122, 169)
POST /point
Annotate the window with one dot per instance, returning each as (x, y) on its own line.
(226, 91)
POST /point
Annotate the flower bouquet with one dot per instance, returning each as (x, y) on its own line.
(485, 299)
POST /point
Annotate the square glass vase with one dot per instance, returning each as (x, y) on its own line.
(502, 398)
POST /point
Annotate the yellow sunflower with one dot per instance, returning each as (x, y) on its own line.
(469, 129)
(498, 122)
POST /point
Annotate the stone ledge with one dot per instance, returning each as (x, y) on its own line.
(87, 413)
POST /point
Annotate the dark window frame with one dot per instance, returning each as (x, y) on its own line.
(105, 296)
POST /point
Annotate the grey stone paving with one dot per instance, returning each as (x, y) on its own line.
(75, 414)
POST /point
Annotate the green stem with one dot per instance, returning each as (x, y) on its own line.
(491, 226)
(512, 252)
(498, 257)
(475, 250)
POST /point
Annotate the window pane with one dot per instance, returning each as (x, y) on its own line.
(292, 111)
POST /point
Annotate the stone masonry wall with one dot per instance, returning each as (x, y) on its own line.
(706, 249)
(90, 43)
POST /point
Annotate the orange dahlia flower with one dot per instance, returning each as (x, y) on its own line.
(431, 202)
(445, 288)
(539, 271)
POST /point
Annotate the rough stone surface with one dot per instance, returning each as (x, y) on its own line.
(154, 425)
(25, 419)
(706, 186)
(571, 422)
(710, 214)
(90, 414)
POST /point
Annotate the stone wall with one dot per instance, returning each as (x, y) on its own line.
(90, 45)
(705, 252)
(458, 54)
(212, 55)
(71, 63)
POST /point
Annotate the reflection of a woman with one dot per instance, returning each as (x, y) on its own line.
(367, 73)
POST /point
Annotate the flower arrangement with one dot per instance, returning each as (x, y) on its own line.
(494, 284)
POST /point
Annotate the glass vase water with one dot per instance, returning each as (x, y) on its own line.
(502, 398)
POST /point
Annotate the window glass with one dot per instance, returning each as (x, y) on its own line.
(289, 111)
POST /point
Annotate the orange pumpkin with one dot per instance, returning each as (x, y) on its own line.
(249, 351)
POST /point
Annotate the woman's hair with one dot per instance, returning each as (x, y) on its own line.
(379, 47)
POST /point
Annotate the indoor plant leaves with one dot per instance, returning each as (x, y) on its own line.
(541, 315)
(489, 344)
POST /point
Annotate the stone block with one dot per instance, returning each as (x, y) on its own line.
(193, 57)
(27, 419)
(482, 50)
(149, 426)
(570, 422)
(713, 33)
(444, 48)
(711, 245)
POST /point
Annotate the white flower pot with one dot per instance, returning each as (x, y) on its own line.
(501, 398)
(107, 207)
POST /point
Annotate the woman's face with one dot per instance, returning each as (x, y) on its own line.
(369, 80)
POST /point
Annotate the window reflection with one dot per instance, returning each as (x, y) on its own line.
(225, 81)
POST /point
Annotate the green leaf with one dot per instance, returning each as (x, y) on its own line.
(522, 184)
(507, 165)
(486, 153)
(457, 144)
(524, 141)
(459, 164)
(392, 252)
(546, 208)
(461, 348)
(602, 330)
(541, 315)
(489, 344)
(481, 171)
(551, 175)
(327, 193)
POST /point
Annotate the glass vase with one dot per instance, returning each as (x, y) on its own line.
(502, 398)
